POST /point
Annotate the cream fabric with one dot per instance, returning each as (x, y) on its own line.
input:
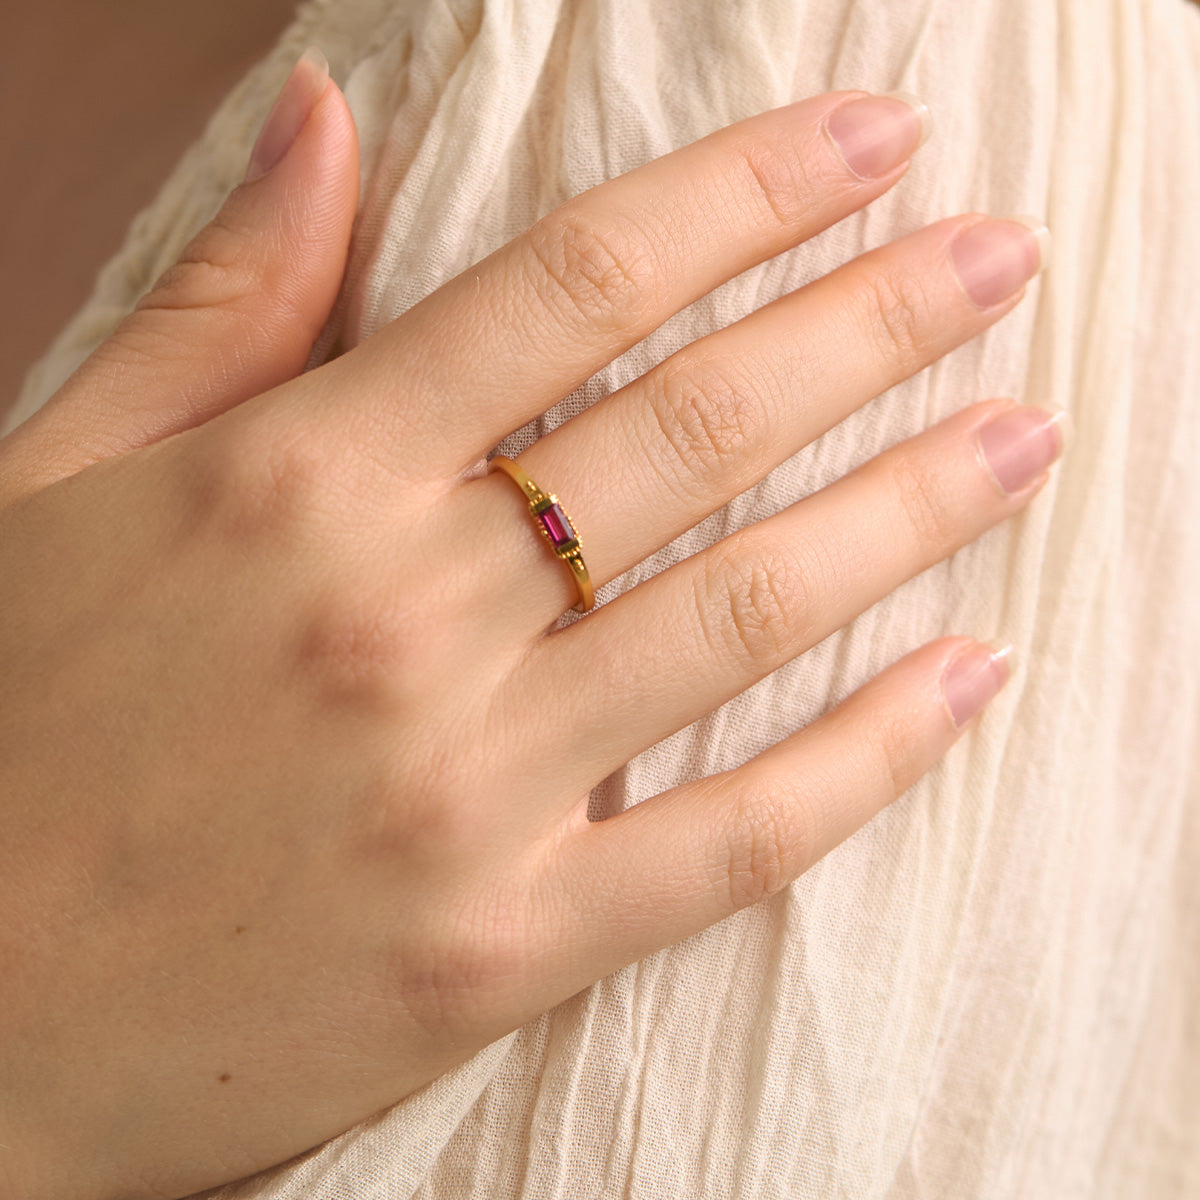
(993, 989)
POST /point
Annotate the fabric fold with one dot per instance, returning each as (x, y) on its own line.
(988, 991)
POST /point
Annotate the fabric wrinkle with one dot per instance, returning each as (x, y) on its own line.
(990, 989)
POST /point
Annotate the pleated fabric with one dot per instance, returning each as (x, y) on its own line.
(992, 990)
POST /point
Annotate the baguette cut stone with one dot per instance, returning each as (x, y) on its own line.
(558, 528)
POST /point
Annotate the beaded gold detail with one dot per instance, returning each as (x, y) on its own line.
(554, 525)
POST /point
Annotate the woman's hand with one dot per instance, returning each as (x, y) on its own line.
(294, 770)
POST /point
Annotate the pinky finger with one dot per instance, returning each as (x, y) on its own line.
(665, 869)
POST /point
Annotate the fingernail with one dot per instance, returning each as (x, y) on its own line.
(1022, 442)
(996, 257)
(297, 98)
(973, 678)
(875, 134)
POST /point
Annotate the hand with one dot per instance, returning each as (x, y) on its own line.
(294, 766)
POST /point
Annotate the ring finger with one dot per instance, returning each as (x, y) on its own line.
(732, 614)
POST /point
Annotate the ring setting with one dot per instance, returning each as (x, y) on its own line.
(554, 525)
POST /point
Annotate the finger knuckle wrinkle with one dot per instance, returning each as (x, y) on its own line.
(707, 420)
(607, 275)
(928, 512)
(754, 605)
(763, 848)
(899, 315)
(213, 271)
(777, 177)
(899, 750)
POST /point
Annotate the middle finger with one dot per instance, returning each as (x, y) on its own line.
(506, 339)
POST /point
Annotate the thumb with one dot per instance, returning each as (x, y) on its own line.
(235, 316)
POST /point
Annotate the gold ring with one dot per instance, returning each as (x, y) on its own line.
(554, 525)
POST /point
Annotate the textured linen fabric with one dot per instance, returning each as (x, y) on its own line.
(992, 990)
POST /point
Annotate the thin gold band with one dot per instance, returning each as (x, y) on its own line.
(554, 525)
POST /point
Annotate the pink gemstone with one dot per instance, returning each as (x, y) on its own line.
(554, 522)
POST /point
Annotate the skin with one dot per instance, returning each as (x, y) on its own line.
(295, 789)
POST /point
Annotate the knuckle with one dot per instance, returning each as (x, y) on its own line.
(767, 843)
(480, 955)
(352, 654)
(929, 513)
(753, 607)
(213, 271)
(408, 807)
(608, 276)
(898, 317)
(707, 419)
(899, 750)
(778, 177)
(258, 485)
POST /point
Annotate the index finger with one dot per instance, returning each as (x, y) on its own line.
(505, 340)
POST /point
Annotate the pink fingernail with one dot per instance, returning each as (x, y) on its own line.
(1022, 442)
(994, 258)
(297, 98)
(974, 678)
(875, 134)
